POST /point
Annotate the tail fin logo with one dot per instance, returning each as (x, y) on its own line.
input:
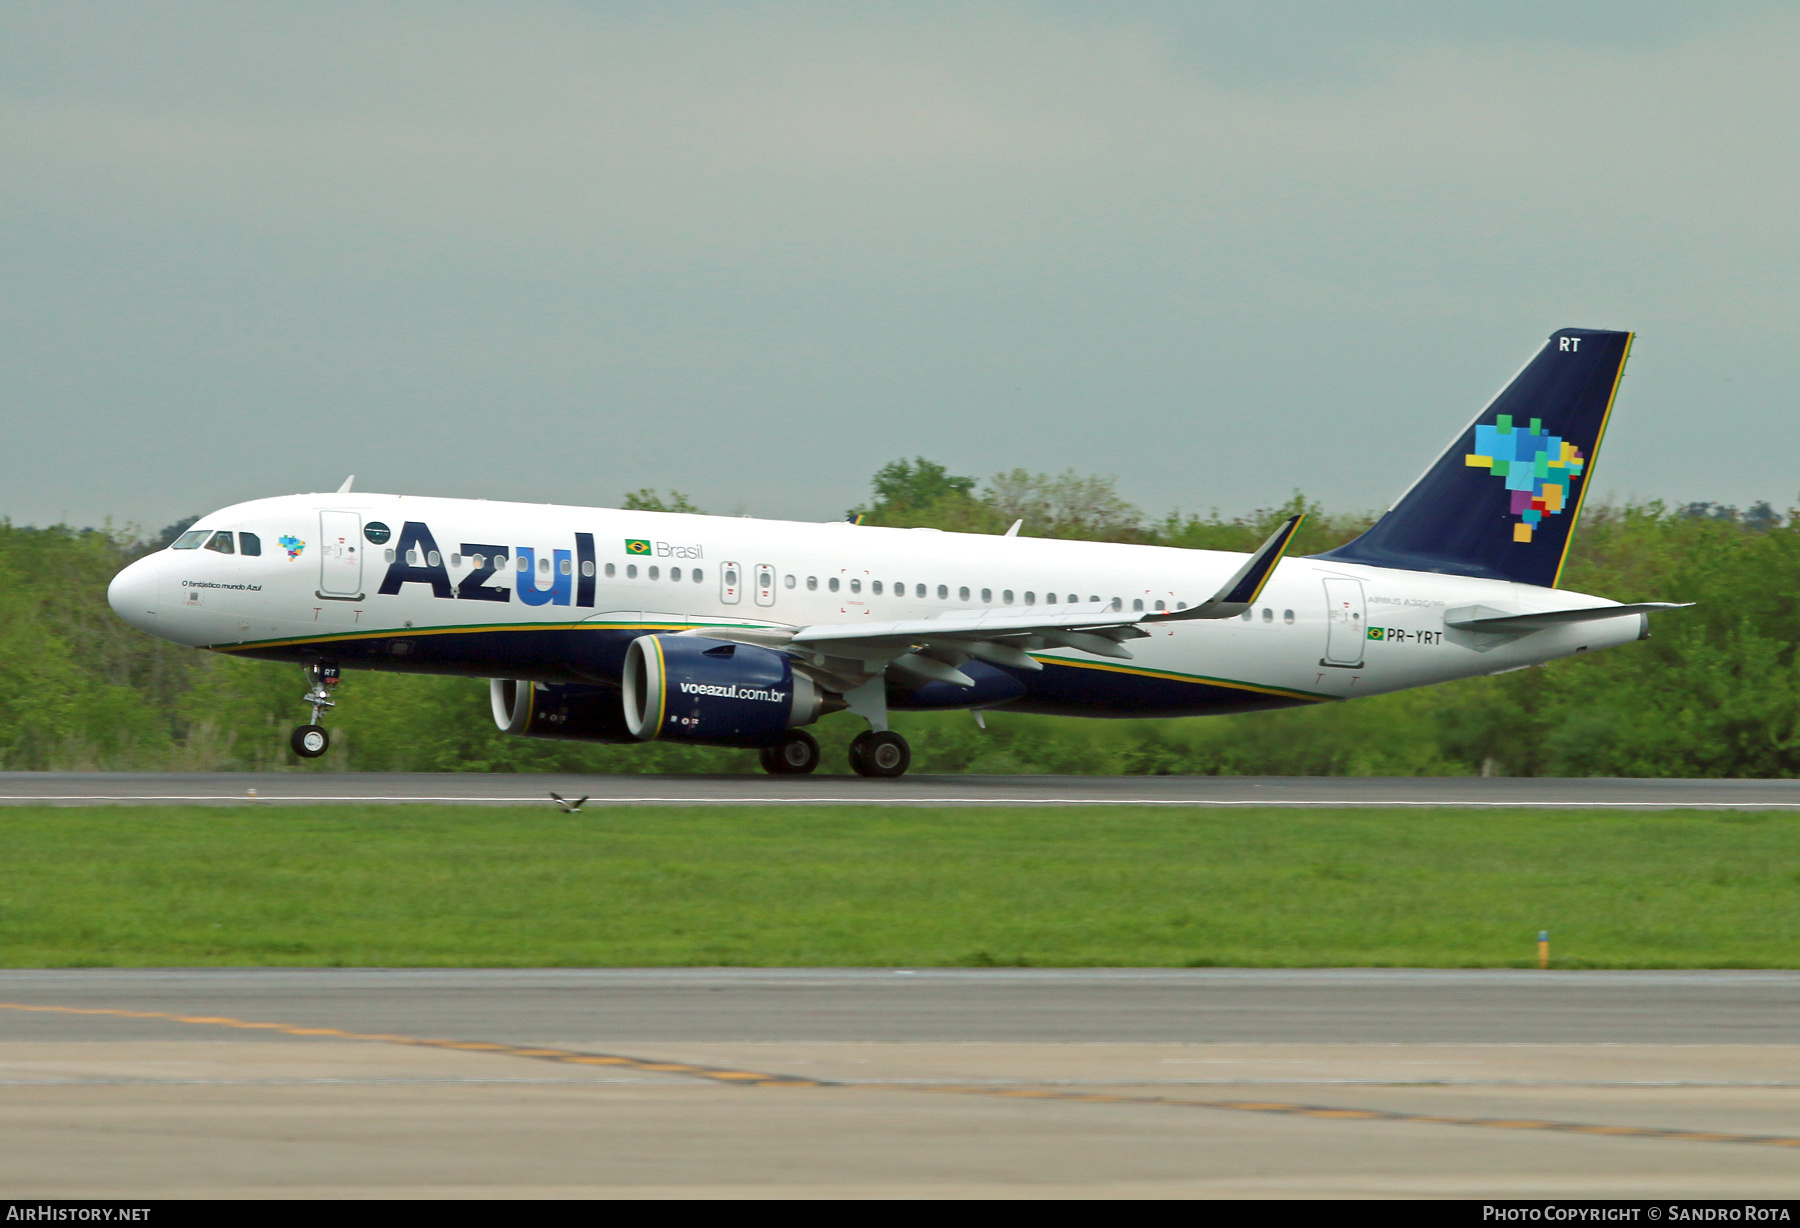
(1538, 469)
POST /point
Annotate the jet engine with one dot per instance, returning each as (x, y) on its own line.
(571, 713)
(694, 689)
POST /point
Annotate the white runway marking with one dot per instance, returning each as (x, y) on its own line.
(1216, 792)
(322, 799)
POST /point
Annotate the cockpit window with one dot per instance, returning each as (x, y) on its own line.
(249, 544)
(221, 541)
(191, 539)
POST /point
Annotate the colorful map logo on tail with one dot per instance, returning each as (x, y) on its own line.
(1537, 468)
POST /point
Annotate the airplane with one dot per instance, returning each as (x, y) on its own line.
(603, 625)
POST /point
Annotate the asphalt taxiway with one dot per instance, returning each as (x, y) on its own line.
(895, 1082)
(506, 788)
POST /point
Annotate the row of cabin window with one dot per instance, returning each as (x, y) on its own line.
(432, 558)
(944, 591)
(653, 572)
(247, 543)
(566, 566)
(921, 592)
(250, 544)
(832, 584)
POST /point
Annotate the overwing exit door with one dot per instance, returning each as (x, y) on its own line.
(1345, 631)
(340, 555)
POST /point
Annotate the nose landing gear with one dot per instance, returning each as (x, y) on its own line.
(311, 741)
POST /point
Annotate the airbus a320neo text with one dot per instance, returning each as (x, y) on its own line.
(620, 626)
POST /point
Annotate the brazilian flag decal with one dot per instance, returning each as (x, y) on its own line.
(1375, 633)
(636, 545)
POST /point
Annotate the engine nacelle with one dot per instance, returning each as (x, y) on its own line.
(571, 713)
(695, 689)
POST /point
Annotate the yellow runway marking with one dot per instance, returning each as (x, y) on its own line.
(568, 1056)
(1333, 1113)
(757, 1078)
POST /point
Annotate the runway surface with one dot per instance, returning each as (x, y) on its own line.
(884, 1082)
(242, 788)
(1200, 1005)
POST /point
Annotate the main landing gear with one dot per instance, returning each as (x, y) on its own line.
(795, 755)
(873, 753)
(877, 751)
(880, 753)
(311, 741)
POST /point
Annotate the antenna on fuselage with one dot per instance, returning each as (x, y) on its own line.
(345, 488)
(1014, 531)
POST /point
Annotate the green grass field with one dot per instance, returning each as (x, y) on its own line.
(468, 886)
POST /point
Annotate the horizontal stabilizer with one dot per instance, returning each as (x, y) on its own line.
(1241, 591)
(1486, 618)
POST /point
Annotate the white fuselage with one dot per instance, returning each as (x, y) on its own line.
(1319, 630)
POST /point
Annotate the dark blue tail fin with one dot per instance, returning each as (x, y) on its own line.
(1502, 502)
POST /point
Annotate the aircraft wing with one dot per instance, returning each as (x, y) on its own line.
(932, 648)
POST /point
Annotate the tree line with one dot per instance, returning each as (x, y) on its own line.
(1714, 692)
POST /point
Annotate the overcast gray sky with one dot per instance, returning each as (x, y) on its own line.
(558, 251)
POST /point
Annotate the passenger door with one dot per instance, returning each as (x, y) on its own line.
(1345, 630)
(340, 555)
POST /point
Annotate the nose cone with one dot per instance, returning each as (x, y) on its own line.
(133, 593)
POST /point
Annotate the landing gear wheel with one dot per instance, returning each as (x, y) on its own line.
(795, 755)
(880, 754)
(310, 741)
